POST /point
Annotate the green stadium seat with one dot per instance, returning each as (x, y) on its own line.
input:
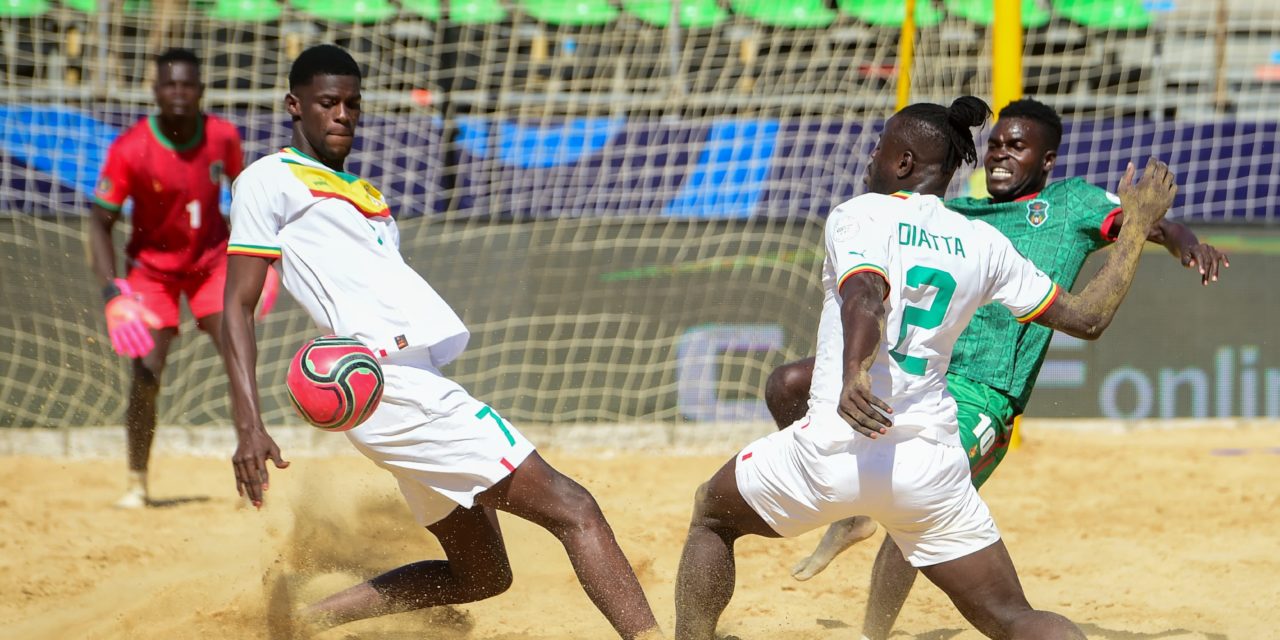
(245, 10)
(574, 13)
(694, 14)
(23, 8)
(429, 9)
(476, 12)
(350, 11)
(793, 14)
(983, 12)
(888, 13)
(1121, 15)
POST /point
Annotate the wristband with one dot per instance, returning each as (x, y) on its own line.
(109, 292)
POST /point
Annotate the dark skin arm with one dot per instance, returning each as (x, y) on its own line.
(1183, 244)
(1090, 313)
(102, 254)
(245, 275)
(862, 315)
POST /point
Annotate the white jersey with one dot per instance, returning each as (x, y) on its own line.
(940, 267)
(339, 253)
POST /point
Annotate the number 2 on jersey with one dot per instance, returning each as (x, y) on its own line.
(945, 286)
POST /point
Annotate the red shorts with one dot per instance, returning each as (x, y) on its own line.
(159, 292)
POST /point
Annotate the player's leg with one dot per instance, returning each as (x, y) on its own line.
(536, 492)
(786, 392)
(140, 416)
(159, 295)
(705, 581)
(891, 580)
(984, 586)
(475, 568)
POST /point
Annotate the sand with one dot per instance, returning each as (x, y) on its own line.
(1142, 535)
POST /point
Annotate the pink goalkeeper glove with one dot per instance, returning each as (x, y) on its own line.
(270, 289)
(129, 323)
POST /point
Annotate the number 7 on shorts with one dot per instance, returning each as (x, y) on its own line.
(488, 411)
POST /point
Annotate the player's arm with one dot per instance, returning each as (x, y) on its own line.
(862, 315)
(1183, 244)
(102, 253)
(245, 277)
(1088, 314)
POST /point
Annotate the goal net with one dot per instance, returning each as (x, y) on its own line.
(622, 199)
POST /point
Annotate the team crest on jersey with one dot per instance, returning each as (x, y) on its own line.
(104, 186)
(215, 172)
(1037, 212)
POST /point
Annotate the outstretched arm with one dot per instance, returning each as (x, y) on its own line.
(862, 316)
(1183, 244)
(1090, 313)
(245, 277)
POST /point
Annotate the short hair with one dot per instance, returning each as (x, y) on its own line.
(321, 60)
(950, 127)
(1037, 111)
(175, 54)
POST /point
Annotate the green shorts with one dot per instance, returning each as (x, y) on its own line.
(986, 424)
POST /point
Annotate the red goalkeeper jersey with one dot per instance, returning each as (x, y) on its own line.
(177, 224)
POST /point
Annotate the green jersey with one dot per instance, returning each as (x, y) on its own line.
(1056, 229)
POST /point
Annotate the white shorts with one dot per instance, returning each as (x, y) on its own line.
(442, 445)
(818, 471)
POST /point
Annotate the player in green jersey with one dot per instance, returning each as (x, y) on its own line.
(996, 360)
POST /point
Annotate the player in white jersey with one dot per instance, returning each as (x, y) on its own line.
(902, 277)
(456, 460)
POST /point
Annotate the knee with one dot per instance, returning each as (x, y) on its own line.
(146, 376)
(495, 581)
(700, 503)
(786, 392)
(577, 511)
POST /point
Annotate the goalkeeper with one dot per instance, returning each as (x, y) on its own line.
(171, 166)
(996, 359)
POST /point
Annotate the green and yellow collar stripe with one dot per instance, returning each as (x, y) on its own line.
(253, 250)
(1045, 303)
(902, 194)
(865, 267)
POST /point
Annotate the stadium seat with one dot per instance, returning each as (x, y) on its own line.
(796, 14)
(576, 13)
(476, 12)
(983, 12)
(245, 10)
(1123, 15)
(350, 11)
(23, 8)
(428, 9)
(694, 14)
(882, 13)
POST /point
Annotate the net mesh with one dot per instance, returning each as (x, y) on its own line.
(625, 209)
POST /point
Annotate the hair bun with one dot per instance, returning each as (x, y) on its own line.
(968, 111)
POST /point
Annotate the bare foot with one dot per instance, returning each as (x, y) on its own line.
(284, 620)
(839, 536)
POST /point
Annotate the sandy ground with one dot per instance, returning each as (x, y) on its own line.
(1144, 535)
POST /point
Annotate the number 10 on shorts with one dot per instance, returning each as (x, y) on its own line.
(488, 411)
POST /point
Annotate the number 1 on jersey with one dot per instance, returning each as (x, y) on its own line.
(193, 210)
(945, 286)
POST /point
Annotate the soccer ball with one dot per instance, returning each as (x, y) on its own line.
(335, 383)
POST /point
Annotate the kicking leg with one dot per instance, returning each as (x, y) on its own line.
(891, 580)
(538, 493)
(705, 581)
(140, 417)
(840, 535)
(786, 392)
(984, 586)
(475, 568)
